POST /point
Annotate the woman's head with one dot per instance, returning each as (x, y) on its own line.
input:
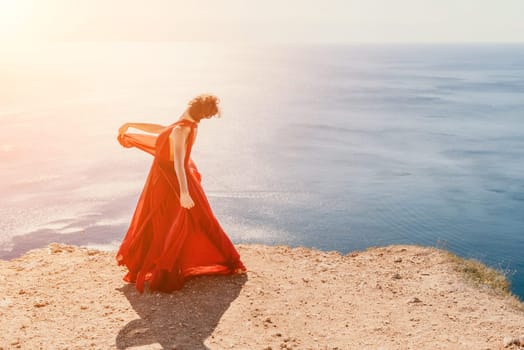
(203, 107)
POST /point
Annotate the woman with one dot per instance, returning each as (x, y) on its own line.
(173, 233)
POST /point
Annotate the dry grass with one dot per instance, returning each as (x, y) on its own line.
(485, 276)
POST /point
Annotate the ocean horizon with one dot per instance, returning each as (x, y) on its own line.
(334, 147)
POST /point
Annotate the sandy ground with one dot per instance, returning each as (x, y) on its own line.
(396, 297)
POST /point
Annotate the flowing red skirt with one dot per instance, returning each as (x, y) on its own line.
(165, 243)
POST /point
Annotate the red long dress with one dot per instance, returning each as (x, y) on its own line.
(166, 243)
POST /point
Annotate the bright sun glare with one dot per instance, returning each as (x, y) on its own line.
(14, 15)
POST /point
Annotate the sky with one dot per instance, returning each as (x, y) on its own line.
(287, 21)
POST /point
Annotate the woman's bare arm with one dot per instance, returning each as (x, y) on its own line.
(178, 139)
(151, 128)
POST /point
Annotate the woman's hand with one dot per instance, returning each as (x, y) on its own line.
(186, 201)
(123, 129)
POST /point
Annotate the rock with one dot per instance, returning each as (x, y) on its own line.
(138, 331)
(54, 249)
(5, 302)
(313, 315)
(508, 341)
(398, 260)
(41, 303)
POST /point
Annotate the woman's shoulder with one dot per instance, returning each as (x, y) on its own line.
(180, 130)
(183, 126)
(186, 122)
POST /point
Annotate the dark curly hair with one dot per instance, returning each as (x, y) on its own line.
(203, 106)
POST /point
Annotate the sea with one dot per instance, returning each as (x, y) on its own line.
(334, 147)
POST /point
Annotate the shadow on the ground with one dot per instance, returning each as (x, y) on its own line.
(183, 319)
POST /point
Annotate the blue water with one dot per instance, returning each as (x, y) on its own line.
(332, 147)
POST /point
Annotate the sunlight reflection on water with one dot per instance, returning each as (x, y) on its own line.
(329, 147)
